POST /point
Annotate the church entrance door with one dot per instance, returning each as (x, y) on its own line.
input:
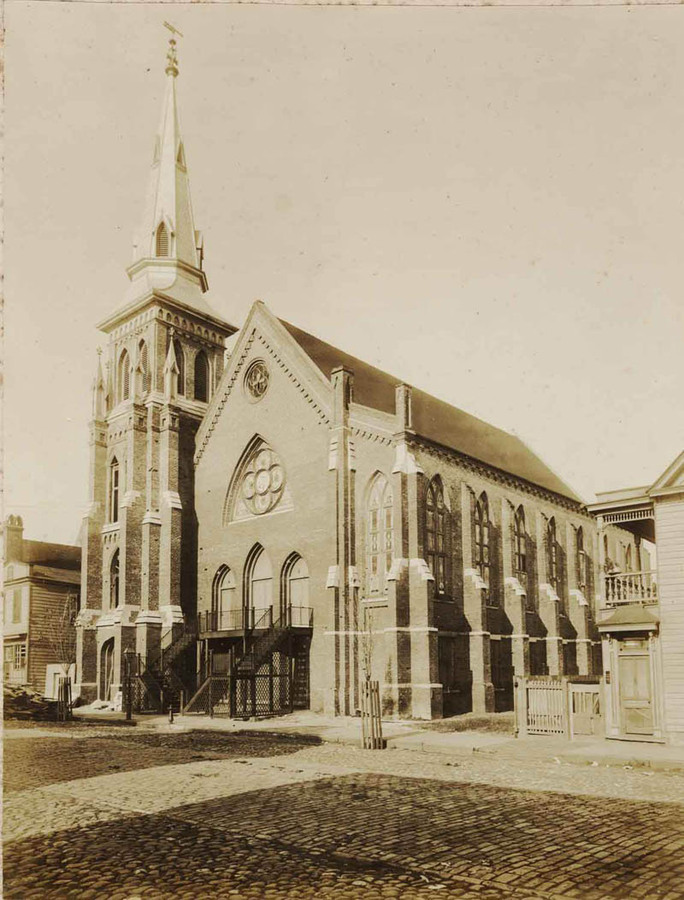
(107, 669)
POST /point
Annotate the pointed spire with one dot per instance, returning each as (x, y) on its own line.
(171, 372)
(167, 243)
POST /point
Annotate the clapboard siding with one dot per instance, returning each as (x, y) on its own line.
(45, 608)
(669, 515)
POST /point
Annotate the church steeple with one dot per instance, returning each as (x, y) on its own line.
(167, 253)
(168, 256)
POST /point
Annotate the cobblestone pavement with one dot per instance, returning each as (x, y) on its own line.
(31, 763)
(279, 819)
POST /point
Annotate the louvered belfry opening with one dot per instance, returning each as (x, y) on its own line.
(162, 248)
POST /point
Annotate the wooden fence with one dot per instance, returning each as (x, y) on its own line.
(554, 705)
(371, 718)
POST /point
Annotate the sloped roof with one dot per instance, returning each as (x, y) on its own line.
(58, 556)
(434, 419)
(630, 614)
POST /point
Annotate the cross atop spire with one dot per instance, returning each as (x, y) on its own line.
(172, 59)
(171, 55)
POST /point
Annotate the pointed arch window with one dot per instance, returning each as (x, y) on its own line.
(582, 561)
(124, 376)
(295, 589)
(144, 367)
(259, 484)
(520, 546)
(380, 534)
(225, 605)
(114, 475)
(259, 582)
(162, 240)
(114, 581)
(552, 554)
(201, 377)
(180, 362)
(482, 539)
(435, 534)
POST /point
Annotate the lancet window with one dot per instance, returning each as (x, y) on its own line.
(380, 534)
(520, 546)
(582, 561)
(435, 534)
(114, 475)
(180, 362)
(552, 554)
(201, 377)
(124, 376)
(114, 581)
(482, 538)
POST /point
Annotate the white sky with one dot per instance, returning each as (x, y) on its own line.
(487, 202)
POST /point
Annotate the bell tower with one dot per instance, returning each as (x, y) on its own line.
(163, 360)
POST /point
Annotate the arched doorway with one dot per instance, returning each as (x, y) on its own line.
(107, 670)
(294, 595)
(259, 583)
(225, 605)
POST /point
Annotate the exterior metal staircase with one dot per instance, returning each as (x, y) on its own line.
(255, 682)
(266, 637)
(161, 683)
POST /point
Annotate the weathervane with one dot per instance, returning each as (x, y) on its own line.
(171, 57)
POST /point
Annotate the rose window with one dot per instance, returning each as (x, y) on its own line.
(263, 482)
(256, 380)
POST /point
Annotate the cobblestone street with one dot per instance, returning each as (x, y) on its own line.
(128, 813)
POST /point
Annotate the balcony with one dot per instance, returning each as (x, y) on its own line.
(239, 621)
(631, 587)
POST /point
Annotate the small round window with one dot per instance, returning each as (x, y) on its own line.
(256, 380)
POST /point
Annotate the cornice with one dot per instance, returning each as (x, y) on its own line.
(170, 262)
(138, 314)
(498, 475)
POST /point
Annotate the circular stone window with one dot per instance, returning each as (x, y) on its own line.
(256, 380)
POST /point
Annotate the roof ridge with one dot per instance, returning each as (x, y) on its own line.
(436, 419)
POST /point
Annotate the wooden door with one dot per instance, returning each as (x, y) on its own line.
(636, 698)
(107, 669)
(586, 708)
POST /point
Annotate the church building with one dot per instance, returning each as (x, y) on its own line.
(268, 529)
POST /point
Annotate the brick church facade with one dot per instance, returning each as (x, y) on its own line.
(292, 512)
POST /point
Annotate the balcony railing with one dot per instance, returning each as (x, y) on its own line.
(249, 619)
(631, 587)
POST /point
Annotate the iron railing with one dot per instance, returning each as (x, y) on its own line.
(631, 587)
(252, 619)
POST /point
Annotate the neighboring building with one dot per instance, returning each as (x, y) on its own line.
(40, 579)
(325, 520)
(642, 609)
